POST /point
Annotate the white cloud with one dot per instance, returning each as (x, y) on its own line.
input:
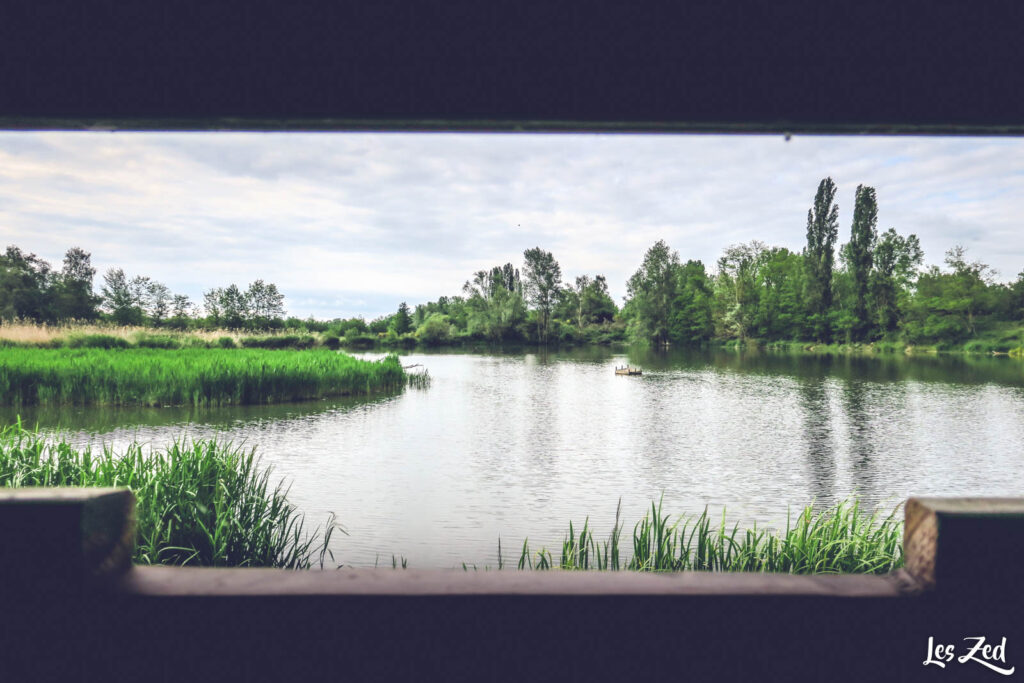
(354, 223)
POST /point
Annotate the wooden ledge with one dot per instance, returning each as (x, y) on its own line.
(181, 582)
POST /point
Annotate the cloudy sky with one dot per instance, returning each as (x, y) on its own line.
(353, 224)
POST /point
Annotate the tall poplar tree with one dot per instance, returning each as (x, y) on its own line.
(819, 256)
(859, 252)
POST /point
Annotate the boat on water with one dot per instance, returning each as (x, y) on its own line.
(626, 370)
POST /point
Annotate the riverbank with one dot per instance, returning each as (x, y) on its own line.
(1007, 340)
(197, 377)
(1009, 343)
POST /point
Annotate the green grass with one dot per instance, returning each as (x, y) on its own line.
(289, 341)
(199, 502)
(838, 540)
(199, 377)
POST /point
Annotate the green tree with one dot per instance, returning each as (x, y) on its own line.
(494, 306)
(597, 305)
(650, 294)
(401, 322)
(266, 303)
(896, 260)
(435, 330)
(946, 305)
(123, 298)
(859, 256)
(737, 286)
(542, 282)
(819, 256)
(234, 307)
(158, 298)
(691, 319)
(969, 289)
(74, 298)
(1015, 307)
(780, 307)
(25, 282)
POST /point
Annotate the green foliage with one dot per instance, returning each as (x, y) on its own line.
(202, 377)
(401, 322)
(330, 341)
(96, 341)
(896, 260)
(650, 293)
(819, 256)
(31, 290)
(226, 343)
(199, 503)
(542, 283)
(838, 540)
(947, 305)
(360, 340)
(859, 256)
(435, 330)
(157, 341)
(691, 320)
(285, 341)
(495, 307)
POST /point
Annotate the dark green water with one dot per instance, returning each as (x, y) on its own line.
(515, 445)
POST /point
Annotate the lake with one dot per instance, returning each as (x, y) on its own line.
(514, 445)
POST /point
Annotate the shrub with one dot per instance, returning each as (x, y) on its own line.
(227, 343)
(360, 340)
(96, 341)
(290, 341)
(156, 341)
(435, 330)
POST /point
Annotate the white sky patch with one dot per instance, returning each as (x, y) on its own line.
(352, 224)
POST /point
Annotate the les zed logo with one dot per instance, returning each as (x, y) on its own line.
(981, 652)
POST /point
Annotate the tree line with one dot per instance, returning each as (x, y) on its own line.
(31, 289)
(876, 290)
(871, 287)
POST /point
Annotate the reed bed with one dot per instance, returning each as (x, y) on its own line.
(35, 334)
(841, 539)
(198, 377)
(199, 502)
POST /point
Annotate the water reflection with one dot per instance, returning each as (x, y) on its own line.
(819, 448)
(516, 444)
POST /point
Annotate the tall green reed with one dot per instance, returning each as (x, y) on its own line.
(200, 377)
(837, 540)
(202, 502)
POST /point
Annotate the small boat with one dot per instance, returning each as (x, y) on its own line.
(626, 370)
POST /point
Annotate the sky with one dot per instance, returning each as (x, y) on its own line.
(349, 224)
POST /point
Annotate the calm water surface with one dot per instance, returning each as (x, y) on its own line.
(515, 445)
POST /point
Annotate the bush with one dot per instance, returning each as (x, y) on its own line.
(227, 343)
(156, 341)
(96, 341)
(279, 342)
(360, 340)
(435, 330)
(331, 341)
